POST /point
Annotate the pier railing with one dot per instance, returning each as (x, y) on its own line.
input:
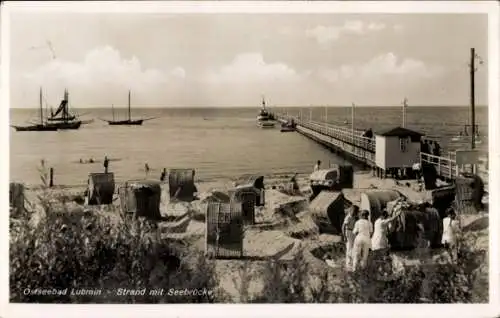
(447, 166)
(347, 135)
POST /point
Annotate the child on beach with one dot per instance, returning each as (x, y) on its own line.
(451, 229)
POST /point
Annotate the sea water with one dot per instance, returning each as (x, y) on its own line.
(218, 142)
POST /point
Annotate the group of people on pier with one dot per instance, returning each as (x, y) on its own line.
(363, 238)
(430, 147)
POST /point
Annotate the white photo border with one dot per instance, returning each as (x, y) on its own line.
(286, 7)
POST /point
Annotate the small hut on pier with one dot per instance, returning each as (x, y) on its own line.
(396, 150)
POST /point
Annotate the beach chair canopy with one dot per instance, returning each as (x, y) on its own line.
(324, 177)
(328, 211)
(256, 181)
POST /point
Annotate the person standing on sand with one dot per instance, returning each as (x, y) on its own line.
(106, 164)
(295, 185)
(417, 170)
(362, 231)
(451, 228)
(347, 228)
(317, 166)
(380, 240)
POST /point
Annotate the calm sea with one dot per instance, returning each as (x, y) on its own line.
(217, 142)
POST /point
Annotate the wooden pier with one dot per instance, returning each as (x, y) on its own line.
(350, 144)
(343, 141)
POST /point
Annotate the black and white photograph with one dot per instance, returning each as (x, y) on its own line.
(205, 155)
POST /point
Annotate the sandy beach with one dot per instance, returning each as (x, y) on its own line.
(269, 239)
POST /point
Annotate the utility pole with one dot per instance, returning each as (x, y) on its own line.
(472, 97)
(326, 114)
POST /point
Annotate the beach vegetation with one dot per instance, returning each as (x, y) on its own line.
(100, 250)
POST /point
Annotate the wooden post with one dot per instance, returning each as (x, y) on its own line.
(51, 182)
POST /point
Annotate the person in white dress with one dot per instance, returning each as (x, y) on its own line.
(347, 228)
(451, 228)
(362, 231)
(380, 240)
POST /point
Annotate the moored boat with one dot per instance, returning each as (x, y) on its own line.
(37, 127)
(265, 119)
(66, 120)
(42, 126)
(266, 124)
(137, 122)
(288, 126)
(126, 122)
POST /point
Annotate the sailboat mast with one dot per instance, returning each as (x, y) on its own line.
(65, 110)
(46, 108)
(113, 111)
(129, 105)
(41, 109)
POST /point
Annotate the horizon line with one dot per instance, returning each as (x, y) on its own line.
(272, 106)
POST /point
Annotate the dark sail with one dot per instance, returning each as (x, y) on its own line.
(65, 120)
(62, 107)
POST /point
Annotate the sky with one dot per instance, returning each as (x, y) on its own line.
(230, 60)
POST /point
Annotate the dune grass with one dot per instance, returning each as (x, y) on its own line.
(66, 250)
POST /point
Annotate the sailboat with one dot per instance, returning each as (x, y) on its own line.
(37, 127)
(66, 120)
(129, 121)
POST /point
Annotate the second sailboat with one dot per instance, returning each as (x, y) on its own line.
(129, 121)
